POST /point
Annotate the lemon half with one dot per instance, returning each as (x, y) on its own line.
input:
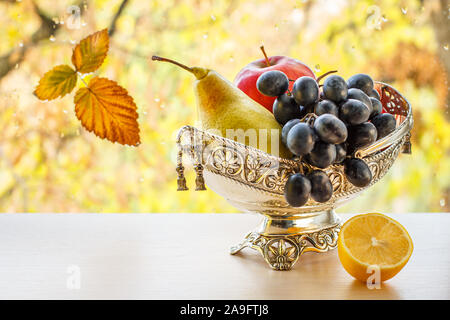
(373, 240)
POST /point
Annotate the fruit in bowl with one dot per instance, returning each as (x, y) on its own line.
(332, 123)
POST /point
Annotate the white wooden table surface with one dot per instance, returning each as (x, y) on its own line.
(185, 256)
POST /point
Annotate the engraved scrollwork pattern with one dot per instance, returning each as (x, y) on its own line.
(321, 241)
(276, 180)
(282, 252)
(227, 161)
(270, 174)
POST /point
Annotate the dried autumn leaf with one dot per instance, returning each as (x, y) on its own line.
(90, 53)
(56, 83)
(106, 109)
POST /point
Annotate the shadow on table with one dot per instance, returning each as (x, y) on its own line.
(359, 290)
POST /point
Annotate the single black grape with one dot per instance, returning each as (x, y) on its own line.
(285, 108)
(335, 88)
(272, 83)
(358, 94)
(321, 186)
(361, 81)
(374, 94)
(330, 129)
(377, 107)
(326, 106)
(354, 112)
(385, 124)
(286, 128)
(297, 190)
(361, 135)
(341, 152)
(305, 91)
(357, 172)
(301, 139)
(322, 155)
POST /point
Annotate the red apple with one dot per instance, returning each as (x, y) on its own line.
(247, 77)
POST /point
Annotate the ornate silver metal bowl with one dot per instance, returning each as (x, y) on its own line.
(253, 181)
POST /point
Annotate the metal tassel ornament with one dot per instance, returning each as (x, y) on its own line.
(199, 180)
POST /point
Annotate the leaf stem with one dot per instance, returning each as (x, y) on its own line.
(81, 78)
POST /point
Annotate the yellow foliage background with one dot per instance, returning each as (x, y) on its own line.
(49, 163)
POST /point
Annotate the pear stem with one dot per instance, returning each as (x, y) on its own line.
(157, 58)
(265, 55)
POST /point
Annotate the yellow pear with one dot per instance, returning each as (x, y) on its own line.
(227, 111)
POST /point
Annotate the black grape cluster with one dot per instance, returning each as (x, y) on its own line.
(348, 117)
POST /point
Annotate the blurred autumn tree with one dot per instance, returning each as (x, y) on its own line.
(49, 163)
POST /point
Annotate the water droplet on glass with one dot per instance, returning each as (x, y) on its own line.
(404, 10)
(65, 111)
(442, 202)
(157, 100)
(205, 36)
(21, 44)
(52, 38)
(145, 113)
(446, 47)
(73, 41)
(317, 68)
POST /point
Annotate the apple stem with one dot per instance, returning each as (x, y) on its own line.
(157, 58)
(325, 74)
(265, 55)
